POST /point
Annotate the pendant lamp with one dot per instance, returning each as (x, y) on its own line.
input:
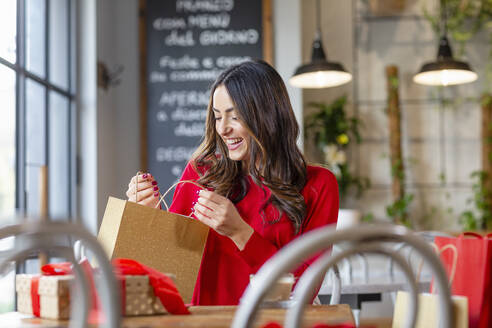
(319, 73)
(445, 70)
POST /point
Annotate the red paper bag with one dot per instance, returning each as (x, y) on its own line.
(473, 277)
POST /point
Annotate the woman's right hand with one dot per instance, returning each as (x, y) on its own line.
(148, 191)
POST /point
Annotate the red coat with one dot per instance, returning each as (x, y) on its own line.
(224, 271)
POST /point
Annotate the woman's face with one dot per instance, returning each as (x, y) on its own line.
(228, 125)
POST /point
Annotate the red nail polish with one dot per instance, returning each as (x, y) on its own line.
(156, 188)
(156, 194)
(154, 183)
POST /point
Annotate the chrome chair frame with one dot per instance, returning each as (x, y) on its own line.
(41, 234)
(314, 275)
(318, 240)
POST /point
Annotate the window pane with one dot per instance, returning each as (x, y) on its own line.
(59, 43)
(35, 36)
(7, 286)
(7, 281)
(72, 37)
(35, 123)
(32, 190)
(8, 17)
(7, 141)
(59, 165)
(32, 266)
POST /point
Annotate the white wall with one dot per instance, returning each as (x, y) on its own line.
(288, 50)
(118, 154)
(87, 112)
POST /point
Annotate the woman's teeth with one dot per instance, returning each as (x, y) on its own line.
(233, 141)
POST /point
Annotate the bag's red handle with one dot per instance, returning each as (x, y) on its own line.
(471, 234)
(489, 235)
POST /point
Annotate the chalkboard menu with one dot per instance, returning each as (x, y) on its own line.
(188, 44)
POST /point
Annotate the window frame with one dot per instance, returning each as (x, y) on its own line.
(22, 75)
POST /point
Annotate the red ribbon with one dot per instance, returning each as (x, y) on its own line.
(123, 294)
(36, 308)
(163, 286)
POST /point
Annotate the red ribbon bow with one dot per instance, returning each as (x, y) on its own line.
(162, 285)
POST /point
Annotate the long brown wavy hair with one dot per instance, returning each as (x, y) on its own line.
(263, 107)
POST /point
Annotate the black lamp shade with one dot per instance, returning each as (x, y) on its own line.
(319, 73)
(445, 70)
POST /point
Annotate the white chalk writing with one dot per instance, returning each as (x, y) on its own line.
(183, 76)
(156, 77)
(208, 62)
(189, 130)
(223, 37)
(169, 23)
(185, 62)
(185, 114)
(181, 40)
(176, 170)
(161, 116)
(204, 5)
(224, 61)
(209, 21)
(173, 154)
(184, 98)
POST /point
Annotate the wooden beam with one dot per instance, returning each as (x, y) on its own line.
(267, 25)
(487, 152)
(43, 206)
(394, 120)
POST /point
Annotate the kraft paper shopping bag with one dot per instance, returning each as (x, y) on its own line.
(428, 316)
(167, 242)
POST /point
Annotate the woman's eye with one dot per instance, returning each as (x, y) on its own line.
(217, 118)
(235, 118)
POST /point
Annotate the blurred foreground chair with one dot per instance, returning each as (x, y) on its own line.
(366, 278)
(44, 236)
(361, 239)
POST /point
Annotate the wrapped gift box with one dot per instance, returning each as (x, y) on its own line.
(53, 291)
(54, 296)
(140, 298)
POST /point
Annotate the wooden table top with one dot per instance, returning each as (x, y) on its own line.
(202, 316)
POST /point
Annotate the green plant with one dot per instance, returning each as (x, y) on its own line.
(398, 210)
(333, 131)
(482, 217)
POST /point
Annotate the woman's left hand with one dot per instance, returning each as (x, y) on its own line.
(220, 214)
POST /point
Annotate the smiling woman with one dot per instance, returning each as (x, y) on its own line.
(260, 194)
(229, 127)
